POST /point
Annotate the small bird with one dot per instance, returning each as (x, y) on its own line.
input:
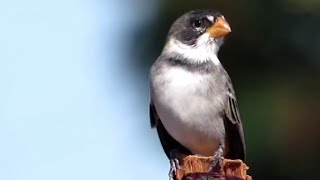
(193, 104)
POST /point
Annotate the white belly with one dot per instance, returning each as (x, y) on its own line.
(187, 112)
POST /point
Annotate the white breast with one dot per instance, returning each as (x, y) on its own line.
(186, 111)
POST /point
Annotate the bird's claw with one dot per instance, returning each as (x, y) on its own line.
(174, 164)
(217, 160)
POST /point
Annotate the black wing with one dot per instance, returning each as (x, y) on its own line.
(153, 116)
(233, 126)
(167, 142)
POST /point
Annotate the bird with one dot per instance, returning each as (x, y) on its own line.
(193, 104)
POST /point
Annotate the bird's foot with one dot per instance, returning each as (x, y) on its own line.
(174, 163)
(216, 164)
(174, 166)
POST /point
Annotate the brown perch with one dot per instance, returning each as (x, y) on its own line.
(196, 168)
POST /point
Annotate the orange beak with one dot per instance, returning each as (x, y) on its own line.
(219, 29)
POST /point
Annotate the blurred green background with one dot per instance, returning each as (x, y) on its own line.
(273, 58)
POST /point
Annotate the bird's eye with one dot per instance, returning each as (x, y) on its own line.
(198, 23)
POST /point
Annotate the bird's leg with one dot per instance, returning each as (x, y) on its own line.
(217, 160)
(174, 163)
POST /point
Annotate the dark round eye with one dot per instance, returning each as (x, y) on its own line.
(198, 23)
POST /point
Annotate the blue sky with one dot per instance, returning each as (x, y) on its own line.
(70, 108)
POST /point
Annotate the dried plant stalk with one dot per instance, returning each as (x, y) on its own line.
(197, 168)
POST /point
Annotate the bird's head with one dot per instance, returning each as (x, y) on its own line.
(197, 36)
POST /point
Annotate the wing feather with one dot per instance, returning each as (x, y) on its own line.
(233, 126)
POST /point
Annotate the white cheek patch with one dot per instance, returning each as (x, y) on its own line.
(204, 50)
(211, 18)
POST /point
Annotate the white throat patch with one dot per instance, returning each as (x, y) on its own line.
(204, 50)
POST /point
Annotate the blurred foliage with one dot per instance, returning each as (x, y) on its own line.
(273, 58)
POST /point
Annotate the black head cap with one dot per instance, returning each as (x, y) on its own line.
(192, 25)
